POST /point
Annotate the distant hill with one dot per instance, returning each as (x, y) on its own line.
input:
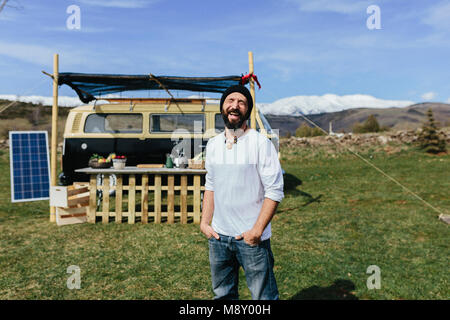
(30, 116)
(407, 118)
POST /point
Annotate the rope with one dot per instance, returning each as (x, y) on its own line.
(152, 77)
(375, 167)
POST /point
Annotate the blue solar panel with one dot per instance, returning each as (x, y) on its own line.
(30, 166)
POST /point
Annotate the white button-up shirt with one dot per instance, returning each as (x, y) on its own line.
(241, 177)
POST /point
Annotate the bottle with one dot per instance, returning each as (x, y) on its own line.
(169, 162)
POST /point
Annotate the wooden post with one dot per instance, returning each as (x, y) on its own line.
(144, 200)
(252, 90)
(91, 215)
(157, 200)
(197, 199)
(183, 199)
(105, 205)
(119, 199)
(170, 199)
(131, 199)
(54, 139)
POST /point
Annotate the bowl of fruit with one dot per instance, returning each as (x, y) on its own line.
(97, 161)
(119, 162)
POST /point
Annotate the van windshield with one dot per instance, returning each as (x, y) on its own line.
(113, 123)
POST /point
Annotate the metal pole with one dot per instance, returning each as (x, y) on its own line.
(252, 90)
(54, 141)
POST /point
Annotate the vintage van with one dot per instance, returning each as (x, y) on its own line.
(142, 130)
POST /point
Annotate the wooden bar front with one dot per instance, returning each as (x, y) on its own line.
(174, 195)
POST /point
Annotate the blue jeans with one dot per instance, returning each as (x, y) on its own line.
(228, 254)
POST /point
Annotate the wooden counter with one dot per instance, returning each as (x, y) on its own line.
(140, 207)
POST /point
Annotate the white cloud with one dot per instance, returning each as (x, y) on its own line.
(327, 103)
(428, 96)
(35, 54)
(46, 101)
(437, 16)
(337, 6)
(129, 4)
(448, 100)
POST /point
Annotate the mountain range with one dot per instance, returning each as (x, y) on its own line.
(287, 114)
(395, 118)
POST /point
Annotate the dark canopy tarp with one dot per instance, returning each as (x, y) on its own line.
(88, 86)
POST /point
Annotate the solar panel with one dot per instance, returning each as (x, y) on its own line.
(30, 165)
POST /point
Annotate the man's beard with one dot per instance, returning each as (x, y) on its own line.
(235, 125)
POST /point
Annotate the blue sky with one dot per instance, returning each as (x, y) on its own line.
(300, 47)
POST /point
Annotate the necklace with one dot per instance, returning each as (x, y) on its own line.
(230, 142)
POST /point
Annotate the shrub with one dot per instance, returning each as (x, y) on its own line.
(18, 124)
(306, 131)
(429, 139)
(370, 125)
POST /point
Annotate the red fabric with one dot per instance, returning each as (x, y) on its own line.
(245, 79)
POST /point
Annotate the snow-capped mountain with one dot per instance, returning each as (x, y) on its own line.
(46, 101)
(297, 105)
(293, 106)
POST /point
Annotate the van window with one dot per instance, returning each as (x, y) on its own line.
(219, 125)
(113, 123)
(171, 122)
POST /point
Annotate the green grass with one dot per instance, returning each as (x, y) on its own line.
(339, 216)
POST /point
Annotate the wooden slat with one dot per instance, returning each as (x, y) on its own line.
(132, 198)
(84, 203)
(183, 199)
(144, 202)
(74, 202)
(70, 216)
(157, 198)
(92, 198)
(197, 199)
(163, 188)
(170, 198)
(105, 206)
(72, 192)
(119, 199)
(150, 165)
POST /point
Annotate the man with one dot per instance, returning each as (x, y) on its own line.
(244, 184)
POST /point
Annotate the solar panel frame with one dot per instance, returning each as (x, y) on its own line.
(23, 172)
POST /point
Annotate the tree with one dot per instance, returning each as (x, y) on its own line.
(306, 131)
(303, 131)
(429, 139)
(370, 125)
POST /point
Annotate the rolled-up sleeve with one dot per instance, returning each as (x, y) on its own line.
(209, 168)
(270, 172)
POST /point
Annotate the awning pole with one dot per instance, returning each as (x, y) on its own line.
(54, 140)
(252, 90)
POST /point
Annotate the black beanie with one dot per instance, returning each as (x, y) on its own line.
(241, 89)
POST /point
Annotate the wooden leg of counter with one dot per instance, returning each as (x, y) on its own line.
(119, 189)
(92, 198)
(144, 200)
(132, 199)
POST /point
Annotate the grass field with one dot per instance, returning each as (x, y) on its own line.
(339, 216)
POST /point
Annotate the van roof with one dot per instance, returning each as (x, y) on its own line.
(143, 104)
